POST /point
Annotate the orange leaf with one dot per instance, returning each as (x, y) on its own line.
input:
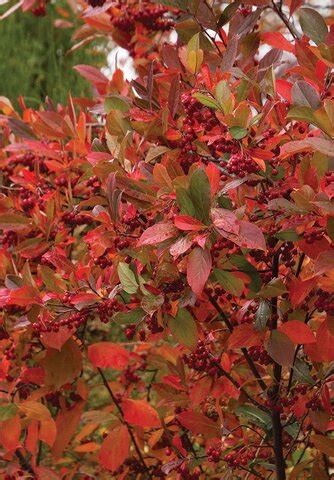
(139, 412)
(298, 332)
(108, 355)
(198, 423)
(10, 431)
(244, 336)
(299, 289)
(67, 422)
(115, 448)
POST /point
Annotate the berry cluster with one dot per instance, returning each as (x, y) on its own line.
(150, 15)
(313, 235)
(103, 261)
(213, 454)
(241, 165)
(74, 320)
(107, 308)
(259, 354)
(314, 404)
(325, 302)
(288, 251)
(201, 360)
(329, 178)
(28, 200)
(75, 218)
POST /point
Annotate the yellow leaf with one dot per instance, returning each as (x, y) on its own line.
(194, 60)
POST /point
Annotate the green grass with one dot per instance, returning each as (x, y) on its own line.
(33, 61)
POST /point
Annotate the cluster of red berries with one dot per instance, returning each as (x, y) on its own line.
(132, 221)
(130, 376)
(53, 398)
(259, 354)
(28, 200)
(74, 320)
(325, 302)
(121, 244)
(222, 244)
(40, 9)
(241, 165)
(9, 238)
(313, 235)
(201, 359)
(329, 177)
(280, 190)
(107, 308)
(153, 325)
(213, 454)
(288, 251)
(150, 15)
(3, 334)
(93, 185)
(185, 474)
(96, 3)
(240, 458)
(103, 261)
(74, 219)
(314, 404)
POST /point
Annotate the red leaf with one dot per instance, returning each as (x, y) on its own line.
(10, 431)
(140, 413)
(92, 74)
(297, 331)
(280, 348)
(251, 236)
(157, 233)
(277, 40)
(244, 336)
(213, 174)
(57, 339)
(225, 220)
(299, 289)
(323, 349)
(185, 222)
(108, 355)
(82, 300)
(24, 296)
(198, 423)
(67, 422)
(115, 448)
(198, 269)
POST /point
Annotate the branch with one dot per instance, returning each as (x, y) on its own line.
(120, 410)
(248, 359)
(294, 32)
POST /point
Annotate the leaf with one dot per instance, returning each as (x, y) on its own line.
(314, 143)
(198, 423)
(140, 413)
(225, 220)
(108, 355)
(242, 336)
(324, 444)
(14, 221)
(207, 100)
(238, 132)
(199, 189)
(82, 300)
(198, 269)
(92, 74)
(174, 96)
(242, 264)
(10, 432)
(305, 95)
(255, 415)
(62, 366)
(230, 54)
(67, 422)
(229, 281)
(281, 349)
(155, 152)
(299, 289)
(187, 223)
(183, 328)
(313, 25)
(116, 102)
(194, 60)
(184, 202)
(7, 411)
(251, 236)
(228, 13)
(115, 448)
(127, 318)
(262, 315)
(277, 40)
(319, 118)
(274, 288)
(24, 296)
(127, 278)
(157, 234)
(297, 331)
(35, 410)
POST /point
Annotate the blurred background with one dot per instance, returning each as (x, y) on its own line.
(35, 59)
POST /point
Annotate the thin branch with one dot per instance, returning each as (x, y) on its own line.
(120, 410)
(292, 29)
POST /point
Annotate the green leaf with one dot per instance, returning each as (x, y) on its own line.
(262, 315)
(7, 411)
(238, 132)
(229, 281)
(132, 316)
(184, 202)
(224, 96)
(127, 278)
(183, 328)
(274, 288)
(199, 189)
(245, 266)
(207, 100)
(255, 415)
(313, 25)
(228, 13)
(116, 102)
(288, 236)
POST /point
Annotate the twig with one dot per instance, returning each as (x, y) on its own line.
(278, 9)
(120, 410)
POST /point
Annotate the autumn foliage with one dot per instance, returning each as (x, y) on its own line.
(166, 258)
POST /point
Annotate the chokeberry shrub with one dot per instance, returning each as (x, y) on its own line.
(167, 259)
